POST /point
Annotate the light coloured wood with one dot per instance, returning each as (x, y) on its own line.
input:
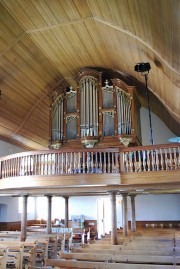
(103, 265)
(125, 251)
(61, 37)
(119, 258)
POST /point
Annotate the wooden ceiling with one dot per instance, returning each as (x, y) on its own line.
(43, 42)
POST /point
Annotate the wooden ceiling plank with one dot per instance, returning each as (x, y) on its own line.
(111, 57)
(76, 43)
(17, 73)
(66, 43)
(95, 8)
(32, 68)
(138, 11)
(105, 10)
(89, 44)
(83, 8)
(18, 55)
(58, 11)
(28, 117)
(71, 11)
(115, 9)
(41, 59)
(6, 37)
(37, 12)
(49, 46)
(176, 34)
(8, 84)
(95, 34)
(45, 12)
(157, 26)
(9, 122)
(60, 56)
(127, 17)
(9, 22)
(19, 14)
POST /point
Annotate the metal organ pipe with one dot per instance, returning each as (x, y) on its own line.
(124, 112)
(59, 122)
(94, 109)
(89, 109)
(62, 117)
(82, 112)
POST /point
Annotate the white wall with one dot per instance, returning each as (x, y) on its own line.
(161, 133)
(86, 206)
(7, 149)
(77, 206)
(12, 210)
(156, 207)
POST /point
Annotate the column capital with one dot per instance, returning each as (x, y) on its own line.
(112, 192)
(25, 195)
(124, 194)
(48, 195)
(132, 195)
(65, 196)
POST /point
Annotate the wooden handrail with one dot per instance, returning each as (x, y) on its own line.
(96, 160)
(150, 158)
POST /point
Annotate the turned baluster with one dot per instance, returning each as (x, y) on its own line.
(166, 160)
(157, 160)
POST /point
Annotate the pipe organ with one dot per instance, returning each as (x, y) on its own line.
(88, 88)
(97, 112)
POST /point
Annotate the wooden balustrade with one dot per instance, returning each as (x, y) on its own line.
(57, 162)
(150, 158)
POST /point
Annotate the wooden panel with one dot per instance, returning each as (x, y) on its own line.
(153, 177)
(60, 181)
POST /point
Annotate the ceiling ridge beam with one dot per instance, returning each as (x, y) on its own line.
(138, 39)
(58, 25)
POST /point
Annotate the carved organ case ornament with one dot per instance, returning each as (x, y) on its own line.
(100, 112)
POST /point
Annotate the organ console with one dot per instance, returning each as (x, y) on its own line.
(98, 112)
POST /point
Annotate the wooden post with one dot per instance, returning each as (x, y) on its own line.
(66, 211)
(24, 218)
(49, 216)
(114, 240)
(125, 215)
(133, 216)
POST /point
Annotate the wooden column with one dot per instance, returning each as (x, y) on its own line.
(24, 218)
(49, 215)
(133, 212)
(66, 211)
(125, 215)
(114, 240)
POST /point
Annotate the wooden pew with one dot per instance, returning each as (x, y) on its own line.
(19, 253)
(14, 257)
(3, 258)
(103, 265)
(145, 259)
(127, 251)
(37, 267)
(41, 250)
(29, 255)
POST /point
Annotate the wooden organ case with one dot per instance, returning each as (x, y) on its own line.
(97, 113)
